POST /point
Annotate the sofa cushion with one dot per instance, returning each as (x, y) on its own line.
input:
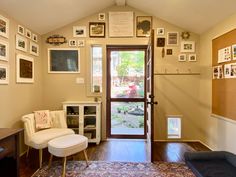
(40, 139)
(212, 168)
(42, 119)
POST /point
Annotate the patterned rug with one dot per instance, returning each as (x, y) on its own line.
(115, 169)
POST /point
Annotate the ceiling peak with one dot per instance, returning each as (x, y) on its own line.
(120, 2)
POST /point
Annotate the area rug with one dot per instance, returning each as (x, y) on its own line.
(115, 169)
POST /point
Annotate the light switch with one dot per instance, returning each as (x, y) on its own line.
(80, 80)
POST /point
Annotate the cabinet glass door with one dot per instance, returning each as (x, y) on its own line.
(90, 122)
(73, 118)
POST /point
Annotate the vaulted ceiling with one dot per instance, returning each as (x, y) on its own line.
(43, 16)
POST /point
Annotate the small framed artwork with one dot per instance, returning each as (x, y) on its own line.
(81, 43)
(21, 30)
(4, 50)
(34, 49)
(24, 69)
(172, 38)
(234, 51)
(143, 26)
(28, 33)
(160, 42)
(63, 60)
(96, 29)
(72, 43)
(79, 31)
(101, 16)
(227, 70)
(182, 57)
(160, 31)
(187, 46)
(35, 37)
(4, 27)
(192, 57)
(169, 51)
(4, 74)
(21, 43)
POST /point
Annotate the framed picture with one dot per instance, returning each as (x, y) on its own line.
(101, 16)
(217, 72)
(4, 27)
(160, 31)
(227, 70)
(34, 49)
(96, 29)
(63, 60)
(24, 69)
(4, 50)
(28, 33)
(143, 26)
(161, 42)
(79, 31)
(169, 51)
(234, 51)
(21, 43)
(4, 74)
(187, 46)
(35, 37)
(182, 57)
(72, 43)
(21, 30)
(81, 43)
(172, 38)
(192, 57)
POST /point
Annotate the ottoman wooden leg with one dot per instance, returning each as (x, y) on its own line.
(64, 168)
(50, 161)
(86, 157)
(40, 157)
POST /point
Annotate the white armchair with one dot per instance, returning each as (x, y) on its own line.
(39, 139)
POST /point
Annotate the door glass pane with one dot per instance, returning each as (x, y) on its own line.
(127, 74)
(127, 118)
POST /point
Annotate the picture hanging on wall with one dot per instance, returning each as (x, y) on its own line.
(172, 38)
(34, 49)
(63, 60)
(160, 31)
(192, 57)
(24, 69)
(160, 42)
(21, 30)
(35, 37)
(72, 43)
(79, 31)
(4, 74)
(217, 72)
(234, 51)
(4, 27)
(182, 57)
(143, 26)
(101, 16)
(21, 43)
(28, 33)
(187, 46)
(96, 29)
(4, 50)
(81, 43)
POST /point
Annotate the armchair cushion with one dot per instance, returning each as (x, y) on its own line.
(42, 119)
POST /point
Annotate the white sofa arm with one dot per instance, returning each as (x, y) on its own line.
(29, 126)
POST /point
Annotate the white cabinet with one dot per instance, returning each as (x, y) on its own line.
(84, 118)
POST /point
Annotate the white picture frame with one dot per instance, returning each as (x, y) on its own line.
(187, 46)
(28, 33)
(21, 43)
(192, 57)
(4, 29)
(79, 31)
(4, 50)
(160, 31)
(34, 49)
(4, 74)
(234, 52)
(72, 43)
(182, 57)
(173, 38)
(227, 71)
(24, 69)
(21, 30)
(58, 60)
(34, 37)
(101, 16)
(81, 43)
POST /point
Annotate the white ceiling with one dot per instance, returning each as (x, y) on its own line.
(43, 16)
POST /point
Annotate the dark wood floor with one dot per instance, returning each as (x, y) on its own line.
(119, 150)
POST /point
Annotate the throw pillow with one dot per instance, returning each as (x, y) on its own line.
(42, 119)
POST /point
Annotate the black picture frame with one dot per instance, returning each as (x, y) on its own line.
(97, 29)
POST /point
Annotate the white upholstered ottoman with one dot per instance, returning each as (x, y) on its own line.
(67, 145)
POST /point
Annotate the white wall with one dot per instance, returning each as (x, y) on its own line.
(220, 133)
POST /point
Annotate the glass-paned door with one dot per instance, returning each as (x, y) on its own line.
(126, 92)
